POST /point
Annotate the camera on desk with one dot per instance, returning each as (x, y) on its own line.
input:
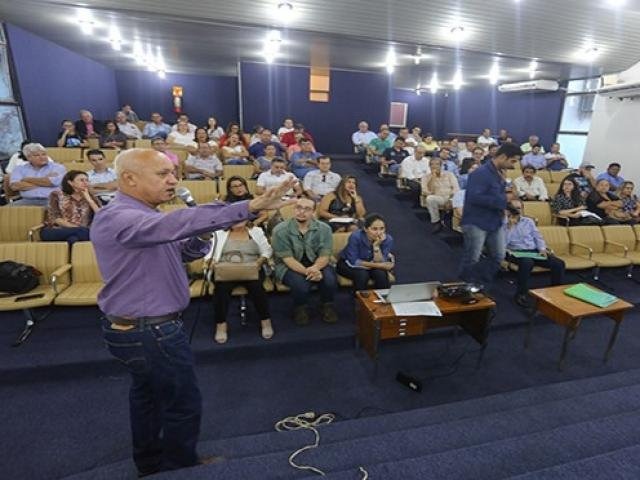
(461, 291)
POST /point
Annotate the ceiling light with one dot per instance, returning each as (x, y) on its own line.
(617, 3)
(590, 54)
(418, 91)
(533, 68)
(285, 7)
(274, 36)
(457, 80)
(86, 22)
(457, 33)
(138, 52)
(390, 62)
(115, 38)
(162, 74)
(494, 74)
(433, 85)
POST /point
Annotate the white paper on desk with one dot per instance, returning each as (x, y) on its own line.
(416, 309)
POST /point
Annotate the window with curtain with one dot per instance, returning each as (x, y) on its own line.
(576, 118)
(11, 121)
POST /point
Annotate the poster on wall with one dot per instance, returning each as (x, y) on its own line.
(398, 114)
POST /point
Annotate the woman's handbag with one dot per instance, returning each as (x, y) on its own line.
(235, 269)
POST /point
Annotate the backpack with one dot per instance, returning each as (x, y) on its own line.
(17, 277)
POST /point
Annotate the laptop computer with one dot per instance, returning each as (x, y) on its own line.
(410, 292)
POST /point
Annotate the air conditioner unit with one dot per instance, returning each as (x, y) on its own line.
(530, 86)
(620, 90)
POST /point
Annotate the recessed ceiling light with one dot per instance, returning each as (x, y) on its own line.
(285, 7)
(591, 53)
(162, 74)
(390, 62)
(274, 36)
(617, 3)
(138, 52)
(86, 21)
(115, 39)
(434, 85)
(457, 80)
(457, 33)
(533, 68)
(494, 74)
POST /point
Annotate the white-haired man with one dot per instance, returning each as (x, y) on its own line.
(36, 179)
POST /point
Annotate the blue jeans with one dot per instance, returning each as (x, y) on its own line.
(164, 400)
(301, 287)
(70, 235)
(471, 268)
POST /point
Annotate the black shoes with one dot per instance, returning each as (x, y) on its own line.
(300, 316)
(328, 313)
(522, 299)
(436, 227)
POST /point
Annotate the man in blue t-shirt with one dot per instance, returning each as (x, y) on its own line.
(483, 216)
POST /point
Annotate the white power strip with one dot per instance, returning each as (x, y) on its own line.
(309, 421)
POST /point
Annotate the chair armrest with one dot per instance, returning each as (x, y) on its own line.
(619, 245)
(586, 247)
(33, 230)
(561, 220)
(57, 273)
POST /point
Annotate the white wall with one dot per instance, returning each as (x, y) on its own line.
(614, 135)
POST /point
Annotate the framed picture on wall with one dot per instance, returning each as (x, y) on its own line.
(398, 114)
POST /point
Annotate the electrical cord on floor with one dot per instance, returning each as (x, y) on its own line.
(309, 421)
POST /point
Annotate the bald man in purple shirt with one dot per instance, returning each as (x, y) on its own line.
(140, 253)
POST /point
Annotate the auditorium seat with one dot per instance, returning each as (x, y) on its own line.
(82, 166)
(557, 240)
(143, 143)
(198, 286)
(558, 175)
(340, 240)
(244, 171)
(86, 280)
(514, 173)
(17, 223)
(539, 211)
(49, 258)
(622, 238)
(65, 155)
(93, 143)
(203, 191)
(589, 242)
(110, 154)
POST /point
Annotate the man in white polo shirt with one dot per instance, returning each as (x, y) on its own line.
(317, 183)
(275, 176)
(204, 164)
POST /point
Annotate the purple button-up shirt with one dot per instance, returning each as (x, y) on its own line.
(54, 171)
(140, 253)
(524, 235)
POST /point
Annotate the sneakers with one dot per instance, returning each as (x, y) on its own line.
(221, 333)
(328, 313)
(300, 316)
(266, 329)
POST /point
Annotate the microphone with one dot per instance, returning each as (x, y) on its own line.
(184, 194)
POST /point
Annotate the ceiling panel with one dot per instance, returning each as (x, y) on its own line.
(198, 36)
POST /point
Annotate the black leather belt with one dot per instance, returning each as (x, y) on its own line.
(142, 321)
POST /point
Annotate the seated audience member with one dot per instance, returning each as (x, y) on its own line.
(569, 204)
(103, 181)
(385, 126)
(320, 182)
(504, 137)
(361, 138)
(275, 176)
(156, 127)
(409, 142)
(132, 116)
(36, 179)
(234, 152)
(87, 126)
(478, 155)
(535, 158)
(584, 178)
(465, 168)
(556, 160)
(486, 140)
(256, 136)
(129, 129)
(439, 187)
(214, 130)
(378, 145)
(238, 191)
(612, 175)
(367, 255)
(201, 136)
(184, 118)
(345, 203)
(263, 163)
(533, 141)
(530, 186)
(159, 144)
(234, 128)
(257, 149)
(606, 204)
(182, 136)
(16, 160)
(287, 126)
(493, 151)
(457, 201)
(70, 210)
(111, 136)
(412, 169)
(630, 203)
(305, 160)
(522, 235)
(303, 248)
(392, 157)
(416, 135)
(203, 165)
(429, 144)
(68, 137)
(241, 243)
(289, 138)
(447, 162)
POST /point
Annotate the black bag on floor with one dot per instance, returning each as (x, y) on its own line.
(17, 277)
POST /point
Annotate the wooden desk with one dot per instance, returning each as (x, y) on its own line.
(569, 312)
(378, 321)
